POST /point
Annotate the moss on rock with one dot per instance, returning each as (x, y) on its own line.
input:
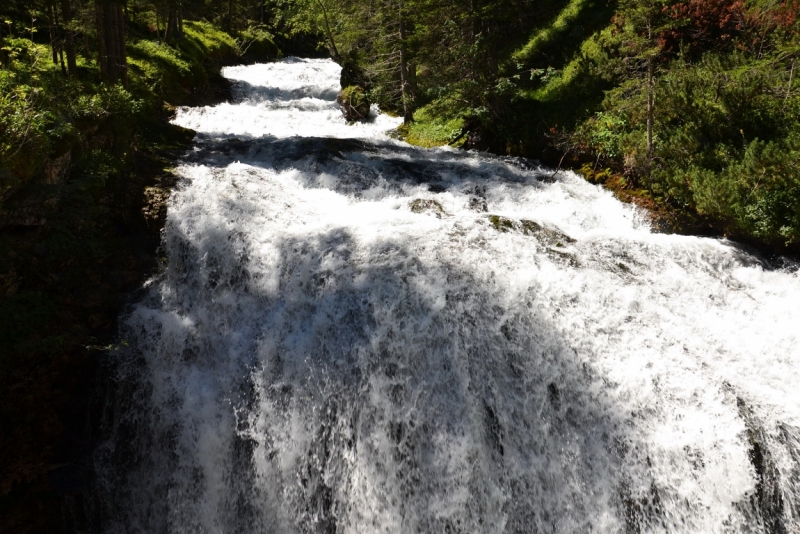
(423, 205)
(354, 103)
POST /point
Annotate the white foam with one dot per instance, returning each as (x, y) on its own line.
(317, 356)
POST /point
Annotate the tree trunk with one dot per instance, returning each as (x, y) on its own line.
(3, 53)
(53, 38)
(230, 15)
(169, 33)
(123, 52)
(650, 107)
(405, 86)
(411, 71)
(69, 37)
(58, 43)
(174, 31)
(334, 49)
(789, 89)
(111, 43)
(650, 112)
(102, 53)
(651, 66)
(61, 59)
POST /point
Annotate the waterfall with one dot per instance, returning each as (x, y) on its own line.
(353, 335)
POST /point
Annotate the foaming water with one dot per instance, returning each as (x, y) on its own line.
(352, 335)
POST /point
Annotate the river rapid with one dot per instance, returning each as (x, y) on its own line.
(353, 335)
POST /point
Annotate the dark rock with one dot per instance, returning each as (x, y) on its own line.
(56, 169)
(352, 74)
(421, 205)
(354, 103)
(767, 502)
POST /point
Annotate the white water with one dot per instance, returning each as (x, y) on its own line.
(317, 357)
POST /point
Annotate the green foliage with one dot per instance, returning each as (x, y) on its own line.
(548, 35)
(205, 43)
(76, 156)
(257, 42)
(355, 96)
(160, 69)
(23, 133)
(726, 142)
(603, 132)
(430, 130)
(45, 115)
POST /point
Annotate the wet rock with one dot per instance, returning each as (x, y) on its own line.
(422, 205)
(155, 206)
(478, 204)
(767, 501)
(477, 198)
(553, 240)
(477, 140)
(551, 236)
(501, 224)
(354, 103)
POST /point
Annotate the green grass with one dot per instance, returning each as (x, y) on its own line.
(205, 42)
(429, 130)
(546, 36)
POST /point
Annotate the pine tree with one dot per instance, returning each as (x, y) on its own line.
(112, 56)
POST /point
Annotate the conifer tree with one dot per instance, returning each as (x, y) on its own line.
(112, 56)
(641, 25)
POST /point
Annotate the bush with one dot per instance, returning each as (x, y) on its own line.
(257, 44)
(726, 143)
(206, 44)
(23, 133)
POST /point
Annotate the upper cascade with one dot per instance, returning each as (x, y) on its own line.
(272, 100)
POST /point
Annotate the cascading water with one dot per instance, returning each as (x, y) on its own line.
(352, 335)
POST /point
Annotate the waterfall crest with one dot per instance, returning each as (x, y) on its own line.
(352, 335)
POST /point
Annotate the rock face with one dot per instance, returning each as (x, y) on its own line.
(354, 103)
(57, 169)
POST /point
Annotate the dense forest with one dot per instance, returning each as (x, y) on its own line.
(689, 108)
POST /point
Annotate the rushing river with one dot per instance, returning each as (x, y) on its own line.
(352, 335)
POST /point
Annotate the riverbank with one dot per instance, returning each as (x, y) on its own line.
(429, 130)
(702, 114)
(83, 203)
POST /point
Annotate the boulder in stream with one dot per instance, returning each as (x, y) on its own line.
(423, 205)
(354, 103)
